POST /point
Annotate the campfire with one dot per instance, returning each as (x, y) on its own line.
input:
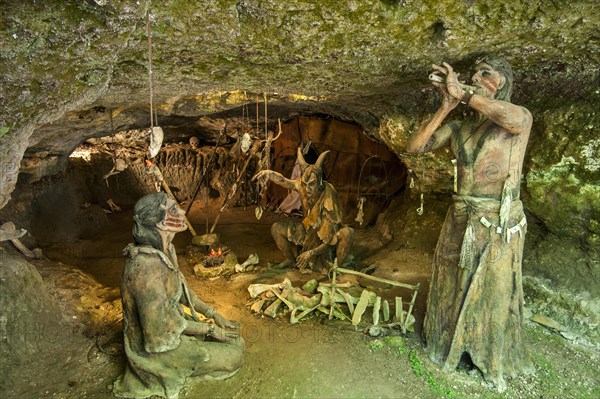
(215, 261)
(215, 257)
(217, 252)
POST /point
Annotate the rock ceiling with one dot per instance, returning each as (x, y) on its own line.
(78, 69)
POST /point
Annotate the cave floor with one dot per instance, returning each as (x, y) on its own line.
(317, 358)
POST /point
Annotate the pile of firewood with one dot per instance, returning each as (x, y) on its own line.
(344, 301)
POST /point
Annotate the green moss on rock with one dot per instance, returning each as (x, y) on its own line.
(577, 312)
(564, 175)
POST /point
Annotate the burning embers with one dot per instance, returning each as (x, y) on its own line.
(215, 252)
(216, 261)
(215, 257)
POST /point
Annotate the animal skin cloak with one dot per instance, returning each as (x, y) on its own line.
(475, 303)
(323, 219)
(159, 356)
(321, 222)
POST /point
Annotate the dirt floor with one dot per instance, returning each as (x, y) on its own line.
(317, 358)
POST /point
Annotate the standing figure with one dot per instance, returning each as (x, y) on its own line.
(309, 243)
(475, 305)
(164, 344)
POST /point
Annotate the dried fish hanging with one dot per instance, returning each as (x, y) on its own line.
(361, 213)
(119, 163)
(245, 144)
(263, 164)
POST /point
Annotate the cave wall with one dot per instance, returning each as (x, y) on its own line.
(563, 177)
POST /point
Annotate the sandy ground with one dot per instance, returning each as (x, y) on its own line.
(318, 358)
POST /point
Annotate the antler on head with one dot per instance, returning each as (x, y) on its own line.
(301, 160)
(321, 159)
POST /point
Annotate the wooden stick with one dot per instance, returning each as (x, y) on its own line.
(378, 279)
(332, 295)
(376, 308)
(386, 310)
(360, 307)
(410, 308)
(339, 285)
(399, 311)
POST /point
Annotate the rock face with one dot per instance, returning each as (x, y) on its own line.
(564, 173)
(29, 319)
(79, 69)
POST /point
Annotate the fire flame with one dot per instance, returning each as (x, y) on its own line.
(218, 252)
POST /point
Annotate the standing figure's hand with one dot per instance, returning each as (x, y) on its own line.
(452, 84)
(451, 89)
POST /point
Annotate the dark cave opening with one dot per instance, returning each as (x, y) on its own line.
(112, 169)
(70, 213)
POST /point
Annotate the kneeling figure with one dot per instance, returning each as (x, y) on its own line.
(164, 344)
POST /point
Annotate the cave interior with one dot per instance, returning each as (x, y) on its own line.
(79, 109)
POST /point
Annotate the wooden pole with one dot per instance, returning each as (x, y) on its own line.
(253, 150)
(378, 279)
(332, 295)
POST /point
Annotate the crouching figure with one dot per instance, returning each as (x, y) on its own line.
(166, 343)
(311, 242)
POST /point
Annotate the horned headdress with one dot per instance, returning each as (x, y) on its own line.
(316, 168)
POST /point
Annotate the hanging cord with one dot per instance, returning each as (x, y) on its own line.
(420, 209)
(246, 112)
(257, 115)
(150, 75)
(266, 119)
(112, 125)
